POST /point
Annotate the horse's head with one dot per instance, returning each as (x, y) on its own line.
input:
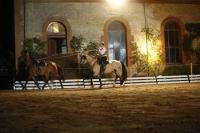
(83, 56)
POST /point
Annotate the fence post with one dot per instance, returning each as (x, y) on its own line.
(191, 71)
(156, 79)
(188, 76)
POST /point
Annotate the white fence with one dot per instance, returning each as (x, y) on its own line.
(108, 82)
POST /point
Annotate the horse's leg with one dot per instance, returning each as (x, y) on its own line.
(46, 77)
(48, 85)
(27, 77)
(46, 80)
(61, 75)
(36, 82)
(19, 78)
(116, 77)
(45, 83)
(91, 82)
(100, 82)
(84, 82)
(60, 80)
(123, 76)
(22, 85)
(61, 83)
(121, 81)
(50, 78)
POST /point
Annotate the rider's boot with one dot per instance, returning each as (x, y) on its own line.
(101, 70)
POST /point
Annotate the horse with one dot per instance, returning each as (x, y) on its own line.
(86, 74)
(49, 70)
(45, 70)
(21, 74)
(112, 67)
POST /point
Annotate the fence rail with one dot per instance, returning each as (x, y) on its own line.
(108, 82)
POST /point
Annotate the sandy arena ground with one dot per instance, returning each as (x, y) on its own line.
(135, 109)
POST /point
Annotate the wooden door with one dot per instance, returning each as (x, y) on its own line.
(52, 46)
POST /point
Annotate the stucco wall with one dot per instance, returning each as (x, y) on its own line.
(88, 19)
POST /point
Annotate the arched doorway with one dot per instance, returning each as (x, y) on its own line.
(117, 42)
(57, 38)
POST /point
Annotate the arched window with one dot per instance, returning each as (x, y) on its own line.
(117, 42)
(56, 37)
(172, 40)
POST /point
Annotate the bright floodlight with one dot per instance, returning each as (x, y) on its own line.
(116, 3)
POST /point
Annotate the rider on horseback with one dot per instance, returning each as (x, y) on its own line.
(102, 57)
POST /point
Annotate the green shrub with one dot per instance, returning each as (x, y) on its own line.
(176, 70)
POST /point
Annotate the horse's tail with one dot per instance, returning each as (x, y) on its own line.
(124, 74)
(60, 72)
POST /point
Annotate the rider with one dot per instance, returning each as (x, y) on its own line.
(102, 57)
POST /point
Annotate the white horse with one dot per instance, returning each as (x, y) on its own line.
(113, 67)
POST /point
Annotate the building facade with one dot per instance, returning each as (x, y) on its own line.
(56, 21)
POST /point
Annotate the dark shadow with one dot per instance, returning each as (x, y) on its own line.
(7, 45)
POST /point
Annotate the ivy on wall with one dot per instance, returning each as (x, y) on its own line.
(193, 32)
(34, 45)
(77, 42)
(150, 62)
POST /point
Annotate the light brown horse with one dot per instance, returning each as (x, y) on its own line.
(46, 70)
(113, 67)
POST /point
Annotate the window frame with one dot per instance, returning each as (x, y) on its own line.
(129, 36)
(55, 36)
(68, 32)
(122, 33)
(180, 45)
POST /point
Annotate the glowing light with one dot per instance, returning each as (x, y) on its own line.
(116, 3)
(143, 48)
(53, 27)
(153, 50)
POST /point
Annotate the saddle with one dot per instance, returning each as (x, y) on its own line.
(40, 65)
(102, 59)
